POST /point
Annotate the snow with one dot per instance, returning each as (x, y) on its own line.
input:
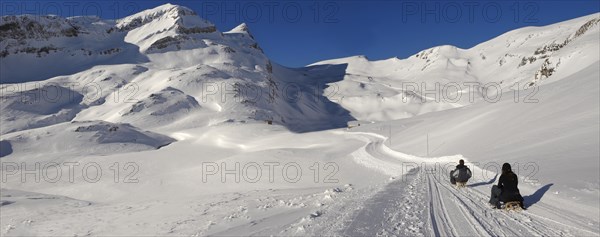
(169, 135)
(242, 28)
(149, 26)
(397, 88)
(82, 138)
(557, 135)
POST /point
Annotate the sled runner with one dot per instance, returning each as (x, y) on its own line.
(514, 206)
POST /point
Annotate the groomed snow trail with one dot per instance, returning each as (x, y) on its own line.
(422, 202)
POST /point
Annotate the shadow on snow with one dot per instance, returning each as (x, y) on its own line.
(317, 112)
(491, 181)
(537, 195)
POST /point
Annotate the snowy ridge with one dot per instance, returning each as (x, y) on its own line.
(516, 60)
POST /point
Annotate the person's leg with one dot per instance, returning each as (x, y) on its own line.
(495, 196)
(498, 193)
(492, 198)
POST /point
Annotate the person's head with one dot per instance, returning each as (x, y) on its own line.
(461, 162)
(506, 168)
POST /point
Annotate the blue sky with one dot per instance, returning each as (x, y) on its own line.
(297, 33)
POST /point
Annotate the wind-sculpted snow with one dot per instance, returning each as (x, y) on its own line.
(84, 138)
(62, 99)
(165, 106)
(38, 107)
(105, 133)
(168, 101)
(54, 99)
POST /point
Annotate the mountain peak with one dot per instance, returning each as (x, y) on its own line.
(168, 13)
(448, 51)
(164, 26)
(240, 28)
(172, 8)
(167, 9)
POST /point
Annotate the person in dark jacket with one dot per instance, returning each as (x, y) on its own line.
(461, 174)
(506, 190)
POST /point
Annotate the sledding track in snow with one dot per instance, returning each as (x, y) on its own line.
(423, 203)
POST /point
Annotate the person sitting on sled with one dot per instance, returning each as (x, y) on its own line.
(461, 174)
(506, 190)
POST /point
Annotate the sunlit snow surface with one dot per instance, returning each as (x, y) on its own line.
(137, 126)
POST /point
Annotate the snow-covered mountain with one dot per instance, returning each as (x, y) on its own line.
(161, 93)
(168, 67)
(160, 67)
(385, 89)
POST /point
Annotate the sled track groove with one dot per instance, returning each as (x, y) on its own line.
(478, 211)
(541, 225)
(449, 211)
(433, 209)
(475, 224)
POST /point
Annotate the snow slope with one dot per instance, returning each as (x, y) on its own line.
(401, 88)
(552, 145)
(154, 124)
(173, 200)
(553, 141)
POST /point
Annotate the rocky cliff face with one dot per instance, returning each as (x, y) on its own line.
(155, 29)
